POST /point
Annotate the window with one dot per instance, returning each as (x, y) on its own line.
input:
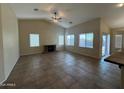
(34, 40)
(70, 40)
(61, 40)
(82, 40)
(89, 40)
(86, 40)
(118, 41)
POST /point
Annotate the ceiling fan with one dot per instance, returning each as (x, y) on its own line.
(55, 17)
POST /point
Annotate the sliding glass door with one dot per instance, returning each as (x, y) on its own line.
(105, 44)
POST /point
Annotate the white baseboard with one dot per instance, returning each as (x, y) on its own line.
(30, 54)
(3, 81)
(83, 54)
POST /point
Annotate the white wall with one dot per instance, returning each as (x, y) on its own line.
(89, 26)
(2, 76)
(9, 38)
(48, 32)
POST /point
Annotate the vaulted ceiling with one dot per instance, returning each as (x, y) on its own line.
(72, 12)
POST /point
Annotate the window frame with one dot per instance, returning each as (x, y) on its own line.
(80, 39)
(115, 41)
(85, 40)
(67, 40)
(61, 44)
(30, 41)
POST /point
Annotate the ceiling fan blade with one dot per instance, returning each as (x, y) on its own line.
(59, 18)
(52, 17)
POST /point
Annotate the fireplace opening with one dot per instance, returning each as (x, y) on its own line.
(49, 48)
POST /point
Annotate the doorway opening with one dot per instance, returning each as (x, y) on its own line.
(105, 44)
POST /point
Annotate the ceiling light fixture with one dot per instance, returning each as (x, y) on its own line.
(56, 18)
(55, 21)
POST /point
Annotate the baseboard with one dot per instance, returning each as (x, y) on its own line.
(30, 54)
(83, 54)
(3, 81)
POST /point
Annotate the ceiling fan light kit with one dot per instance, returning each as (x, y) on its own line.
(55, 17)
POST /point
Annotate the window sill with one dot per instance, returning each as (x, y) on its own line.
(70, 45)
(35, 47)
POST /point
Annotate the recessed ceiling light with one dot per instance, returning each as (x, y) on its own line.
(120, 5)
(36, 9)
